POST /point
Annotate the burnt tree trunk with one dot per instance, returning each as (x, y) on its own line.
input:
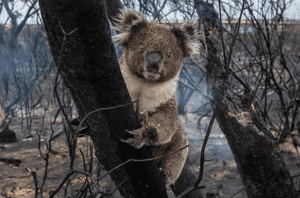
(261, 166)
(90, 69)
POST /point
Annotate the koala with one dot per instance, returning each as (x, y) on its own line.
(152, 61)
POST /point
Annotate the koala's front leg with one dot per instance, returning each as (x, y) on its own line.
(157, 128)
(142, 136)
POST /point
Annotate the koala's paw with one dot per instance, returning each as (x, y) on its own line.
(144, 118)
(138, 140)
(142, 136)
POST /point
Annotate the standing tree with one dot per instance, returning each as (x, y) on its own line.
(262, 168)
(88, 65)
(14, 15)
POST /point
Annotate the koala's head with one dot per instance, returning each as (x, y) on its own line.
(154, 51)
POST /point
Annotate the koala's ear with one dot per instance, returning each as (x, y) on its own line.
(187, 36)
(191, 29)
(128, 23)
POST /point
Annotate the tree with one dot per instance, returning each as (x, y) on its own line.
(261, 166)
(89, 68)
(17, 28)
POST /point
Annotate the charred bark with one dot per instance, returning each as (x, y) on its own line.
(90, 69)
(7, 135)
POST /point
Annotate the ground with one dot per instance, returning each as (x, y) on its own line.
(221, 176)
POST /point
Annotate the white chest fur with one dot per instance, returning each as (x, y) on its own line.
(148, 95)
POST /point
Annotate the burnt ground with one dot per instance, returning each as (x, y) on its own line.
(221, 176)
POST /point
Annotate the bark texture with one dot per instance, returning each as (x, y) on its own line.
(90, 69)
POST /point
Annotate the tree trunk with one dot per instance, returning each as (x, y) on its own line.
(90, 69)
(262, 168)
(186, 179)
(7, 135)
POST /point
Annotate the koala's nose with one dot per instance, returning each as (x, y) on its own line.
(153, 61)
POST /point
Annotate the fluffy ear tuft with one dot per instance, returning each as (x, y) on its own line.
(187, 36)
(191, 29)
(128, 17)
(128, 22)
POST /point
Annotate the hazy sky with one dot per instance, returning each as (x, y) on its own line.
(293, 12)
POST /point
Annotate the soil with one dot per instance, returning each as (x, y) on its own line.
(221, 176)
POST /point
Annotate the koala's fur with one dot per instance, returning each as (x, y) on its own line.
(152, 60)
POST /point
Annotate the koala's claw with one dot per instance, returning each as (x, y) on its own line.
(144, 118)
(131, 132)
(137, 141)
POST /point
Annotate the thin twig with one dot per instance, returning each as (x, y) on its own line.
(239, 191)
(33, 173)
(58, 71)
(100, 109)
